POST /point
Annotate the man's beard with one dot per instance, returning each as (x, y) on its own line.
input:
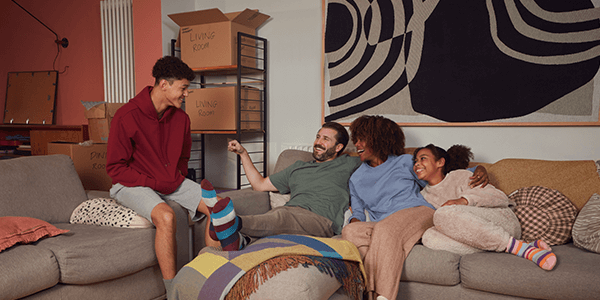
(329, 153)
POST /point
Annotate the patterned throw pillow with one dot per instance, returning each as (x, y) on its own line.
(544, 214)
(107, 212)
(586, 230)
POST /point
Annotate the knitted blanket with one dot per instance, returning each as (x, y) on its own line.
(217, 274)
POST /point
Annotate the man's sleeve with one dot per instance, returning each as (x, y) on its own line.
(281, 180)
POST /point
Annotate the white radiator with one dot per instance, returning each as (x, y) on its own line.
(117, 50)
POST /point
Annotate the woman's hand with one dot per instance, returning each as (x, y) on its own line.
(480, 177)
(461, 201)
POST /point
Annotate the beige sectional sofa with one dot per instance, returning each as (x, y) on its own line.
(435, 274)
(88, 262)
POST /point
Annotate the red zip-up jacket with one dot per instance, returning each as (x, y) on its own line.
(146, 151)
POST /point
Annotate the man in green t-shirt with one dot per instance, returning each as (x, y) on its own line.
(318, 194)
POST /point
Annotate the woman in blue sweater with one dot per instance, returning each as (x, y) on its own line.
(386, 186)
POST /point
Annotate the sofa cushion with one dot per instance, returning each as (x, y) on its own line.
(298, 283)
(145, 284)
(107, 212)
(24, 230)
(544, 214)
(27, 269)
(586, 230)
(575, 275)
(431, 266)
(44, 187)
(89, 253)
(578, 180)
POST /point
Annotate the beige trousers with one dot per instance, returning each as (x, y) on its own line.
(384, 246)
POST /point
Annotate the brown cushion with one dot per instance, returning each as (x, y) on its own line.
(578, 180)
(544, 214)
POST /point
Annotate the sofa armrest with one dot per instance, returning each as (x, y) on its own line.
(248, 201)
(93, 194)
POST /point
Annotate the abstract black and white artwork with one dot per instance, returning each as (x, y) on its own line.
(524, 62)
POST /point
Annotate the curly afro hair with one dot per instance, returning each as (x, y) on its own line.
(383, 136)
(171, 68)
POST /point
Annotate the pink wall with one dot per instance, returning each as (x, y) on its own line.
(147, 22)
(29, 46)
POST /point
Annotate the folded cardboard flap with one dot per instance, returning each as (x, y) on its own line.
(102, 110)
(248, 17)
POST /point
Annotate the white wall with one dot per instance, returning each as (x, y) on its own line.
(170, 30)
(294, 34)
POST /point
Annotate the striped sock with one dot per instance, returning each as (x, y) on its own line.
(225, 226)
(209, 196)
(543, 258)
(540, 244)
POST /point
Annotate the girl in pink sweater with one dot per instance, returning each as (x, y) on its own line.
(469, 220)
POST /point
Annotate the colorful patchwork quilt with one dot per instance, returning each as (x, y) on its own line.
(217, 274)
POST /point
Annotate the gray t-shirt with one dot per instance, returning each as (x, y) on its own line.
(319, 187)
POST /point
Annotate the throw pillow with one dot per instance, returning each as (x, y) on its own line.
(301, 282)
(107, 212)
(278, 199)
(24, 230)
(544, 214)
(586, 230)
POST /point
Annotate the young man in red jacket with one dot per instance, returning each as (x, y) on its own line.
(148, 152)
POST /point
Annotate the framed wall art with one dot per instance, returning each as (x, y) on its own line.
(462, 63)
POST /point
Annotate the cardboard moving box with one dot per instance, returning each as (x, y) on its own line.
(89, 161)
(99, 117)
(208, 38)
(215, 108)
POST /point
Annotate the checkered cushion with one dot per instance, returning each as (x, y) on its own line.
(544, 214)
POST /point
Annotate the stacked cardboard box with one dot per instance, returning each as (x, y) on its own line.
(208, 38)
(215, 108)
(99, 117)
(89, 161)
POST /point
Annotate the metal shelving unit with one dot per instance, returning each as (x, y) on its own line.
(251, 74)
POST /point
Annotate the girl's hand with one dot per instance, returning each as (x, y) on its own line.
(480, 177)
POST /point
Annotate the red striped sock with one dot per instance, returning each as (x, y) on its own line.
(226, 225)
(209, 195)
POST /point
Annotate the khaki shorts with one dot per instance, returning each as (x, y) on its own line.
(143, 199)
